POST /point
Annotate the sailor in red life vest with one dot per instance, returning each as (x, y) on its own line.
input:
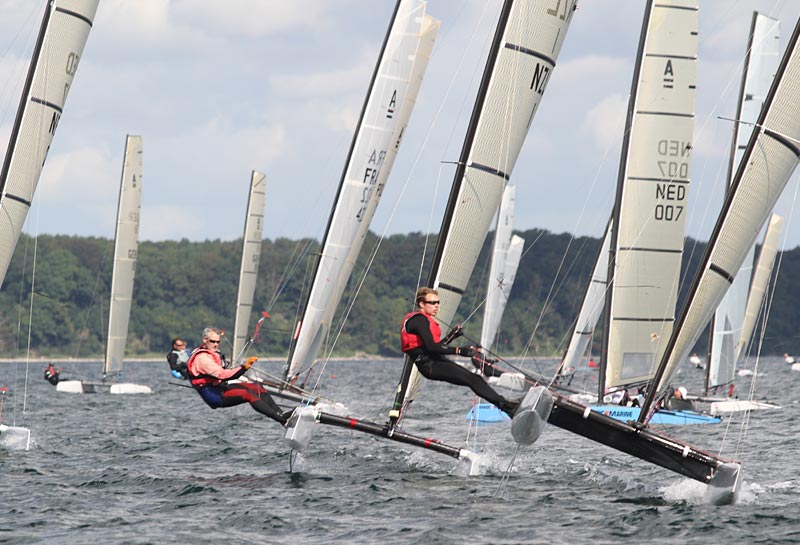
(420, 339)
(209, 378)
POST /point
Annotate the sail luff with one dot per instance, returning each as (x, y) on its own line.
(348, 223)
(62, 37)
(758, 287)
(761, 61)
(768, 162)
(126, 242)
(251, 257)
(522, 57)
(502, 268)
(650, 212)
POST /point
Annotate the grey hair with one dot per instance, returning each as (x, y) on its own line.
(209, 330)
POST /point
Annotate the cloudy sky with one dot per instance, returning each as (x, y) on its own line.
(217, 89)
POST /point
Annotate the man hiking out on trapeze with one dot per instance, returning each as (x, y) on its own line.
(421, 341)
(210, 379)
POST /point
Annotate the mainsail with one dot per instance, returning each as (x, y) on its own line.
(592, 307)
(506, 254)
(652, 196)
(126, 242)
(523, 55)
(59, 47)
(768, 162)
(251, 255)
(761, 62)
(758, 287)
(386, 112)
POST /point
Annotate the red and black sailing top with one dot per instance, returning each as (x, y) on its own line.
(421, 334)
(205, 369)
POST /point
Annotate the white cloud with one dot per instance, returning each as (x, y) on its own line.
(605, 122)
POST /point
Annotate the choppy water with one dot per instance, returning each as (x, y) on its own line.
(165, 468)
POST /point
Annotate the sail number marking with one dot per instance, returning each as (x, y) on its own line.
(370, 178)
(672, 163)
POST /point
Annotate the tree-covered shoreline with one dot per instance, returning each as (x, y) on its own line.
(182, 286)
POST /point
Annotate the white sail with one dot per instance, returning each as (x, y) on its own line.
(126, 244)
(761, 62)
(64, 31)
(251, 255)
(758, 288)
(592, 307)
(527, 43)
(652, 194)
(767, 164)
(385, 115)
(506, 254)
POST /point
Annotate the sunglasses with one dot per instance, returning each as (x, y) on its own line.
(431, 302)
(212, 342)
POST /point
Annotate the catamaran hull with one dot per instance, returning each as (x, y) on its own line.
(628, 414)
(14, 437)
(642, 443)
(85, 387)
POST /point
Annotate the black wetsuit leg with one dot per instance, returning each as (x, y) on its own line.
(448, 371)
(256, 396)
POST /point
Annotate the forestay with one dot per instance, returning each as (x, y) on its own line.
(126, 242)
(758, 287)
(506, 254)
(760, 64)
(521, 61)
(652, 194)
(59, 47)
(251, 256)
(384, 116)
(768, 162)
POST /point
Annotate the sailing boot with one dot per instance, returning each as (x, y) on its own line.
(509, 407)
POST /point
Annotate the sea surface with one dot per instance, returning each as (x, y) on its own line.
(165, 468)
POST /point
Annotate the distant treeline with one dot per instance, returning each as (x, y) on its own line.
(182, 286)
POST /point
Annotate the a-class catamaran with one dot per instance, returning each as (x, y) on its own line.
(59, 47)
(384, 116)
(636, 275)
(126, 242)
(770, 158)
(728, 332)
(522, 57)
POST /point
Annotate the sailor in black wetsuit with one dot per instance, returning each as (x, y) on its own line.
(51, 374)
(420, 338)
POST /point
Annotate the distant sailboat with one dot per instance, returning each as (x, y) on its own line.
(59, 46)
(126, 244)
(761, 62)
(251, 256)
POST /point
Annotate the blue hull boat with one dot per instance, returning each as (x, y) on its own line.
(486, 413)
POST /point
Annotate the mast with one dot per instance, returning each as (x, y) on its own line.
(62, 36)
(126, 243)
(767, 164)
(251, 257)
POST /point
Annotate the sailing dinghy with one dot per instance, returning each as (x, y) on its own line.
(59, 47)
(770, 158)
(126, 242)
